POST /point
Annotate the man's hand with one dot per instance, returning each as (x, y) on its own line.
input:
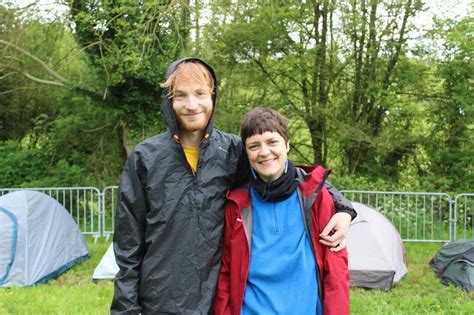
(338, 225)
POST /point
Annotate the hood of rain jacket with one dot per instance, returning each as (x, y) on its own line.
(169, 221)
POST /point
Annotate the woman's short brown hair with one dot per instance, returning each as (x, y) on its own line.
(260, 120)
(189, 71)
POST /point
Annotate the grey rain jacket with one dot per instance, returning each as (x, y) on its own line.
(169, 221)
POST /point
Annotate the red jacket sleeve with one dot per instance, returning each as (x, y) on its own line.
(335, 270)
(223, 294)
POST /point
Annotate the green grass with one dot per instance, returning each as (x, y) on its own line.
(71, 293)
(419, 292)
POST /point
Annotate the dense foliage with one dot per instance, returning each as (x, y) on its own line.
(384, 104)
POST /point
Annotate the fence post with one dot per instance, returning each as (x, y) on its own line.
(452, 219)
(101, 214)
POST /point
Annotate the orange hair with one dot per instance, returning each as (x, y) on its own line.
(189, 71)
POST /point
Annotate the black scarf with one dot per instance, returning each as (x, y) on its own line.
(279, 189)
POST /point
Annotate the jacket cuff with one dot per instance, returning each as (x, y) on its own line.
(344, 208)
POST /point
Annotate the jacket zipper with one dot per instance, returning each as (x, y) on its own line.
(187, 162)
(303, 207)
(249, 249)
(306, 207)
(275, 219)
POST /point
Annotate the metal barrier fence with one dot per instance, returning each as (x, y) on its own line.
(423, 217)
(418, 216)
(83, 203)
(109, 202)
(463, 217)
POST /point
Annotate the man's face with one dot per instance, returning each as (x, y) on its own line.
(267, 154)
(192, 104)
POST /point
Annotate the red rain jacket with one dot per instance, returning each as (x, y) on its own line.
(318, 208)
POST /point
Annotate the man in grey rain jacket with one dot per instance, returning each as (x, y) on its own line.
(170, 215)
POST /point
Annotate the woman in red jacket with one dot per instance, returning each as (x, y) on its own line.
(272, 261)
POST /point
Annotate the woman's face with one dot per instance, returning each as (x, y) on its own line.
(267, 154)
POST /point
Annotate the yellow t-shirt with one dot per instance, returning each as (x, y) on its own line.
(192, 155)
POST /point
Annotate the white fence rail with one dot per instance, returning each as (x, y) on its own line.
(418, 216)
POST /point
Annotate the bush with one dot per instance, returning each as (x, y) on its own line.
(32, 167)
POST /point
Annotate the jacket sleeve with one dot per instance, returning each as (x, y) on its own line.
(129, 237)
(243, 167)
(341, 202)
(223, 294)
(335, 273)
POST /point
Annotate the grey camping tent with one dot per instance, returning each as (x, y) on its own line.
(375, 249)
(39, 239)
(454, 264)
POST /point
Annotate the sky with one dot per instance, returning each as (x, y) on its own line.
(455, 9)
(447, 8)
(47, 7)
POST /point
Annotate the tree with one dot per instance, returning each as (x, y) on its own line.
(129, 45)
(50, 124)
(282, 66)
(452, 152)
(377, 32)
(330, 64)
(27, 97)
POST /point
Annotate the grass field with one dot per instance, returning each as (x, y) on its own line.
(420, 292)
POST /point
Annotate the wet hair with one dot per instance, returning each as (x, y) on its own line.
(260, 120)
(189, 71)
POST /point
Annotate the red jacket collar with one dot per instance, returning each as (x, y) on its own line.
(314, 179)
(240, 196)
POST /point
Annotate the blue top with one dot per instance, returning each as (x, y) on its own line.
(283, 274)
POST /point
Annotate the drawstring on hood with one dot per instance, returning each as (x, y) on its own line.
(167, 111)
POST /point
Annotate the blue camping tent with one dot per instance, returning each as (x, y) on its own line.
(39, 239)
